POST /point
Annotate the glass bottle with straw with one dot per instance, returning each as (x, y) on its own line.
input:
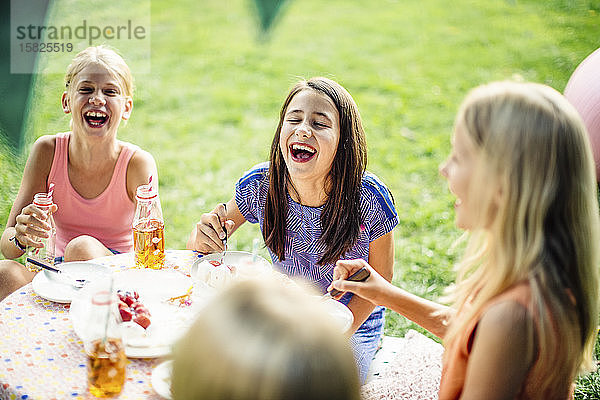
(103, 344)
(148, 228)
(44, 255)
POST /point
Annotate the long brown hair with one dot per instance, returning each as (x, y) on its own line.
(341, 216)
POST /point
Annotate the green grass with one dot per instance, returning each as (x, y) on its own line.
(209, 107)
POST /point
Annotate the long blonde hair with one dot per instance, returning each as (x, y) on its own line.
(264, 340)
(536, 176)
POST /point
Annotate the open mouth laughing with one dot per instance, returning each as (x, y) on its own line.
(302, 152)
(95, 118)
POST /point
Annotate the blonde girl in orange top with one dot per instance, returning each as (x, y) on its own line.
(524, 314)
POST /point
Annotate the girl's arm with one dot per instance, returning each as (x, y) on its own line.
(140, 168)
(207, 236)
(23, 220)
(502, 353)
(381, 257)
(379, 291)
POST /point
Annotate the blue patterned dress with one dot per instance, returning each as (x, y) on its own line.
(303, 247)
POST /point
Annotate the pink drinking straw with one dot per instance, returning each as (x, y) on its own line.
(50, 190)
(149, 190)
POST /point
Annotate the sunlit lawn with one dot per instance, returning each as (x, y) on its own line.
(208, 109)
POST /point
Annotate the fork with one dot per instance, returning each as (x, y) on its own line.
(77, 283)
(225, 239)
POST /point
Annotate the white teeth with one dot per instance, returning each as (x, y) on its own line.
(302, 147)
(95, 114)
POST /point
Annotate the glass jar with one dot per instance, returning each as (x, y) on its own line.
(148, 229)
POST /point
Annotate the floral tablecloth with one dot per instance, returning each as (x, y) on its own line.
(41, 357)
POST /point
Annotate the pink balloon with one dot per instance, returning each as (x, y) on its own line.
(583, 91)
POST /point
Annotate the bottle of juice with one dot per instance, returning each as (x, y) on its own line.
(103, 344)
(45, 254)
(148, 229)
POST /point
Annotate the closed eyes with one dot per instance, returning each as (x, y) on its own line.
(316, 124)
(107, 92)
(321, 125)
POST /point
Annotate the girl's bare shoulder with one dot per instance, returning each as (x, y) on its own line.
(42, 152)
(141, 164)
(507, 314)
(44, 145)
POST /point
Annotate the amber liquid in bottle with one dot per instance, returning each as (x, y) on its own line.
(106, 368)
(149, 244)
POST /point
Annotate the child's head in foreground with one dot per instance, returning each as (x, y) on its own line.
(264, 340)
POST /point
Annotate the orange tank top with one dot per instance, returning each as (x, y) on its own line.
(456, 355)
(107, 217)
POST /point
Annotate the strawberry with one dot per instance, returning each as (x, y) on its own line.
(126, 314)
(142, 320)
(131, 308)
(141, 310)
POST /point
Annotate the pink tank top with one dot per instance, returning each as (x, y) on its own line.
(107, 217)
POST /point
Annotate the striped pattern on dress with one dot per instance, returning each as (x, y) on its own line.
(303, 247)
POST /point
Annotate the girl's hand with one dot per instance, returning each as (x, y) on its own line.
(372, 289)
(32, 226)
(208, 235)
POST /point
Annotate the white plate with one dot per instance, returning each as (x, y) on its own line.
(50, 286)
(245, 263)
(168, 322)
(339, 313)
(161, 379)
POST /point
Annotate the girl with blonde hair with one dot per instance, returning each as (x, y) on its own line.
(525, 305)
(252, 342)
(95, 175)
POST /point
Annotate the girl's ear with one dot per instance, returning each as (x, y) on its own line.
(127, 108)
(65, 103)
